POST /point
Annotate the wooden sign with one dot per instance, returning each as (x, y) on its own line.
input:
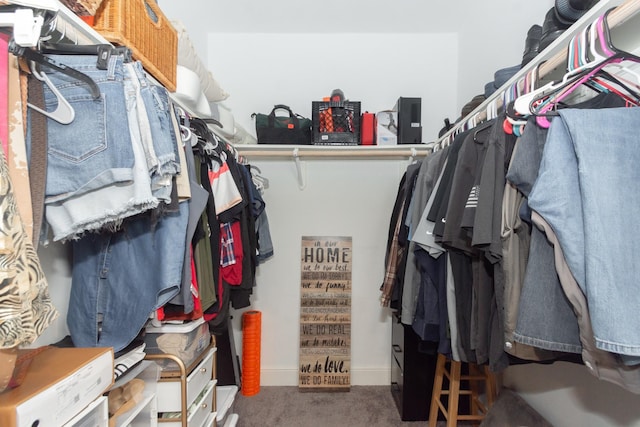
(325, 314)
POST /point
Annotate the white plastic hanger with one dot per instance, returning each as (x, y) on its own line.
(64, 112)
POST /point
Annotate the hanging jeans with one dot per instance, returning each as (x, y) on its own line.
(585, 192)
(120, 278)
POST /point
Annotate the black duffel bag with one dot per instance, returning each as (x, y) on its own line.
(292, 129)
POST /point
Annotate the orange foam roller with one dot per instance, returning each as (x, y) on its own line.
(251, 334)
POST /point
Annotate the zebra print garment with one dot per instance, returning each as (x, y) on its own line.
(25, 305)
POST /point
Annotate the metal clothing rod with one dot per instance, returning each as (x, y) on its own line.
(618, 16)
(325, 152)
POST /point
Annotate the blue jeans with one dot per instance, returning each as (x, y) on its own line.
(585, 192)
(120, 278)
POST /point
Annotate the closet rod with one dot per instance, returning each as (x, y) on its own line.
(327, 152)
(617, 16)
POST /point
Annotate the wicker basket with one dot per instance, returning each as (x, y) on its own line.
(141, 26)
(82, 7)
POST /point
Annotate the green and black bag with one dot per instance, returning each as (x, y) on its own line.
(292, 129)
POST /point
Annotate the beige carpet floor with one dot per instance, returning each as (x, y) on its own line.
(362, 406)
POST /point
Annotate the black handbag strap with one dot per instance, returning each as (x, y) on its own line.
(294, 117)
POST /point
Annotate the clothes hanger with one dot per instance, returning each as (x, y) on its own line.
(605, 81)
(542, 120)
(64, 112)
(102, 51)
(187, 136)
(481, 128)
(208, 144)
(523, 103)
(260, 181)
(604, 34)
(514, 122)
(612, 56)
(41, 59)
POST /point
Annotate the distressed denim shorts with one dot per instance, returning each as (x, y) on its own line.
(163, 137)
(94, 150)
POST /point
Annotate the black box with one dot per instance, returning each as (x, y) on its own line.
(409, 120)
(335, 122)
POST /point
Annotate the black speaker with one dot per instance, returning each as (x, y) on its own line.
(409, 120)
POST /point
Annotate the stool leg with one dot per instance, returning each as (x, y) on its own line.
(491, 386)
(437, 390)
(454, 394)
(474, 371)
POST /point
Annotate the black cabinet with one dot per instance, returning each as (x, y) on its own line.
(413, 366)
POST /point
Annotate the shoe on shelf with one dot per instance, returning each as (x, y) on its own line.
(569, 11)
(552, 28)
(532, 44)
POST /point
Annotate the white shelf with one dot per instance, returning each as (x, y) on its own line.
(225, 396)
(142, 414)
(145, 413)
(131, 373)
(95, 414)
(232, 421)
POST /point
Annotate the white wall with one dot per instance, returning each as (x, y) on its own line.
(489, 35)
(492, 36)
(341, 198)
(351, 198)
(260, 70)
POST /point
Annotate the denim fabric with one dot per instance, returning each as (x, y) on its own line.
(158, 117)
(120, 278)
(590, 159)
(602, 364)
(107, 206)
(139, 120)
(93, 151)
(152, 122)
(544, 318)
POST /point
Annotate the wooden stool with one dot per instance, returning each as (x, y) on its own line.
(477, 408)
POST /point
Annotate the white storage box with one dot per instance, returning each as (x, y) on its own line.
(187, 341)
(387, 127)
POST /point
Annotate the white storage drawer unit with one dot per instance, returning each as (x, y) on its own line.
(199, 411)
(186, 396)
(169, 390)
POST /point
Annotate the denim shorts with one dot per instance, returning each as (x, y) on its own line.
(105, 206)
(94, 150)
(155, 120)
(156, 99)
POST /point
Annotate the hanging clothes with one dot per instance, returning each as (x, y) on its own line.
(27, 309)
